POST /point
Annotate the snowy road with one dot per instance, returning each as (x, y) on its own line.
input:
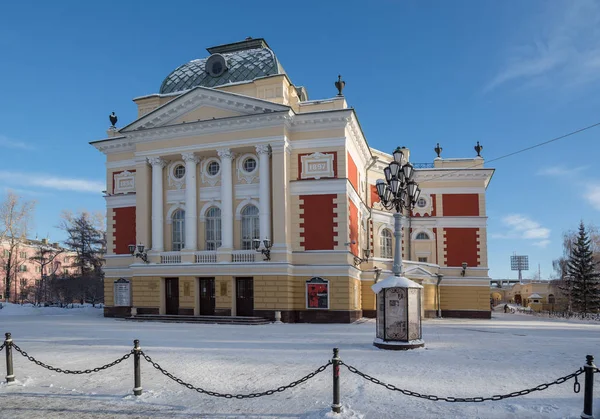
(462, 358)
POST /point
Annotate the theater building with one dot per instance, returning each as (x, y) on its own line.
(228, 151)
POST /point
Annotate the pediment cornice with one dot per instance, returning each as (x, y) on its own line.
(198, 97)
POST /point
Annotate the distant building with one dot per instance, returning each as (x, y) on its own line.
(536, 294)
(28, 273)
(229, 151)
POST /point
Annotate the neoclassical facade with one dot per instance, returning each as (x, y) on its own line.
(230, 151)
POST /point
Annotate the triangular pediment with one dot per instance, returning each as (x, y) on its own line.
(201, 104)
(417, 271)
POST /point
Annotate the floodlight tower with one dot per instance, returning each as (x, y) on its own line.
(519, 263)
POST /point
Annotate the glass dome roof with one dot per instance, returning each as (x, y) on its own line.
(244, 61)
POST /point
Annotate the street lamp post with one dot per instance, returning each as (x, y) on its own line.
(398, 298)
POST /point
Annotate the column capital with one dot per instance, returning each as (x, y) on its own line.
(157, 161)
(190, 158)
(225, 153)
(263, 149)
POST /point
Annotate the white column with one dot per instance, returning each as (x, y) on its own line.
(158, 165)
(264, 190)
(191, 216)
(226, 157)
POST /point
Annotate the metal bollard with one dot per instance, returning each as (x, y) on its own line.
(10, 375)
(588, 392)
(137, 371)
(336, 407)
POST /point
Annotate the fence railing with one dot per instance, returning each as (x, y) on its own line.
(589, 369)
(243, 256)
(170, 257)
(206, 256)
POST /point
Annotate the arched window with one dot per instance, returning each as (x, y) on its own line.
(385, 244)
(250, 226)
(178, 229)
(422, 236)
(213, 228)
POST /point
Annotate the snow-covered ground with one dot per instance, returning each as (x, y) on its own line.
(462, 358)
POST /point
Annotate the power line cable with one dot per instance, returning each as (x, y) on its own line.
(517, 152)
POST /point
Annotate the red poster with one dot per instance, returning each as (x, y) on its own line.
(316, 295)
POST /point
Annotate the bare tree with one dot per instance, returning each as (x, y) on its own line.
(44, 257)
(15, 219)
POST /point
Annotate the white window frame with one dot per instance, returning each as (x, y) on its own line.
(254, 219)
(178, 223)
(215, 223)
(382, 239)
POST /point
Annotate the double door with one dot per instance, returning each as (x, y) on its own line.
(207, 296)
(172, 295)
(244, 297)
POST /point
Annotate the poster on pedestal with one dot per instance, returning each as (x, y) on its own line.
(122, 293)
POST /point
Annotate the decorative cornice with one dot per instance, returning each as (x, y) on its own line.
(200, 96)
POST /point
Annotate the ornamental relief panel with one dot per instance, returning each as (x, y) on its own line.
(317, 166)
(124, 182)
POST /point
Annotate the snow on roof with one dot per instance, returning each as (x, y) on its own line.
(535, 295)
(394, 281)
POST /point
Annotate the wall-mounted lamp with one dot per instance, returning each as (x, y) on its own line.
(464, 269)
(365, 258)
(139, 252)
(266, 250)
(377, 273)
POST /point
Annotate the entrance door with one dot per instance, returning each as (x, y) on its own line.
(244, 296)
(172, 295)
(207, 296)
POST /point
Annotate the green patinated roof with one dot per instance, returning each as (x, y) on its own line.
(246, 61)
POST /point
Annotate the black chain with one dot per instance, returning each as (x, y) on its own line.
(235, 396)
(2, 346)
(88, 371)
(576, 388)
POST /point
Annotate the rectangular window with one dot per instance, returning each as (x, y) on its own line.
(23, 255)
(423, 259)
(317, 293)
(38, 269)
(6, 253)
(23, 268)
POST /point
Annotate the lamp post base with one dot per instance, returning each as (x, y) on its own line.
(398, 345)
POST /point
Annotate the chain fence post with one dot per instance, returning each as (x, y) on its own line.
(336, 406)
(10, 375)
(137, 372)
(588, 392)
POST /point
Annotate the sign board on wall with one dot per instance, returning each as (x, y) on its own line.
(122, 293)
(317, 166)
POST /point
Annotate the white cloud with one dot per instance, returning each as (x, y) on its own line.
(542, 243)
(6, 142)
(564, 53)
(561, 171)
(522, 227)
(53, 182)
(592, 195)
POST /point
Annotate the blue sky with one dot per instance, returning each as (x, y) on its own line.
(507, 74)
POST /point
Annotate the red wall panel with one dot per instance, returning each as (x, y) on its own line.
(317, 220)
(461, 246)
(124, 229)
(352, 173)
(460, 204)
